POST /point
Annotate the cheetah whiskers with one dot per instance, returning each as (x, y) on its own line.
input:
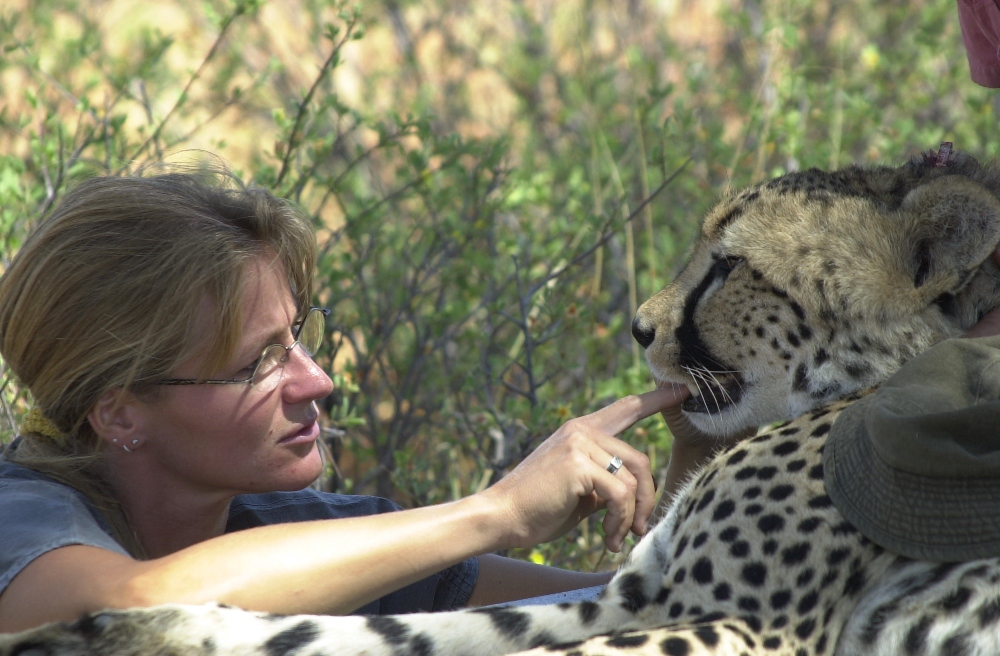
(726, 372)
(698, 376)
(709, 377)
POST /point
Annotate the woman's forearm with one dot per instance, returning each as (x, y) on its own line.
(330, 566)
(505, 579)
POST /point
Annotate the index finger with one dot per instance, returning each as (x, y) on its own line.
(620, 415)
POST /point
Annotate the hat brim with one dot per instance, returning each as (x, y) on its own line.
(941, 519)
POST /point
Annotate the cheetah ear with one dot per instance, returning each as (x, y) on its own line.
(957, 226)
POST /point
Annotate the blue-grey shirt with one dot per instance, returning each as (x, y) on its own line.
(38, 514)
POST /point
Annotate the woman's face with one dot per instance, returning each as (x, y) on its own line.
(237, 438)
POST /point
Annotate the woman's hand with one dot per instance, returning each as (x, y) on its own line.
(566, 478)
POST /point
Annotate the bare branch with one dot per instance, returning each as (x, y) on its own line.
(182, 98)
(607, 232)
(304, 105)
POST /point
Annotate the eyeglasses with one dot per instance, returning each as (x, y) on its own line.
(266, 371)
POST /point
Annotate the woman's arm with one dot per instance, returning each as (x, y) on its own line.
(506, 579)
(331, 566)
(336, 566)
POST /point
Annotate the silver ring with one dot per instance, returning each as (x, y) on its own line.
(614, 465)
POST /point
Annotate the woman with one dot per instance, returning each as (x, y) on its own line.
(162, 326)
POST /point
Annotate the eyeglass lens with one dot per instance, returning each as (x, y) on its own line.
(310, 337)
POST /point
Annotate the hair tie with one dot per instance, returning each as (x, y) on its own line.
(36, 422)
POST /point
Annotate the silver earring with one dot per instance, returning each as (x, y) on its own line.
(115, 440)
(125, 446)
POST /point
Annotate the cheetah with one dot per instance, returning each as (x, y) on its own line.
(801, 295)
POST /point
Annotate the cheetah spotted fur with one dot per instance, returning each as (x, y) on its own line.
(801, 294)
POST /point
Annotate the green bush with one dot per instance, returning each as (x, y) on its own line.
(482, 258)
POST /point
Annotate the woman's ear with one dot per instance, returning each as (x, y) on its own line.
(116, 418)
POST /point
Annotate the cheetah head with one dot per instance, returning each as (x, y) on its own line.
(816, 284)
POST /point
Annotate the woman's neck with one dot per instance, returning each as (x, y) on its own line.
(168, 516)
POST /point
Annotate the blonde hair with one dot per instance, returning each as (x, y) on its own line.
(104, 295)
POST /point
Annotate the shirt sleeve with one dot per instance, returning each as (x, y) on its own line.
(39, 516)
(445, 590)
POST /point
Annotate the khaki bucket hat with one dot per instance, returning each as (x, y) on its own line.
(916, 465)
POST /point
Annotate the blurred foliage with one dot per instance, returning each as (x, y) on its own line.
(477, 175)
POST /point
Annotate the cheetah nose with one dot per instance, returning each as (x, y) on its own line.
(644, 336)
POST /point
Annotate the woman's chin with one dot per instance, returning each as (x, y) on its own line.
(301, 471)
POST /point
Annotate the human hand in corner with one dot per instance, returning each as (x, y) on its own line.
(990, 323)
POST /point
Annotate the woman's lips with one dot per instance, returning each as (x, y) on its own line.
(309, 433)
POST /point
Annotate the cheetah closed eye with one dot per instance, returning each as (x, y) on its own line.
(801, 294)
